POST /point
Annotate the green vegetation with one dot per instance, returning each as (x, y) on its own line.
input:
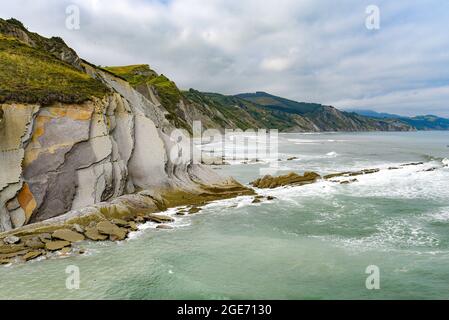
(281, 104)
(32, 75)
(135, 74)
(140, 76)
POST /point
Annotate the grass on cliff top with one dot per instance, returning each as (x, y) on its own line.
(29, 75)
(168, 92)
(142, 74)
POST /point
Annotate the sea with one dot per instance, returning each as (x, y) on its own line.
(384, 236)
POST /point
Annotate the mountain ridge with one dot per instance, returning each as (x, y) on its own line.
(420, 122)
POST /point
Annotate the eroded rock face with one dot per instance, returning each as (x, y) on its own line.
(60, 158)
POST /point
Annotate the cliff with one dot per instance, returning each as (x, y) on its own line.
(75, 140)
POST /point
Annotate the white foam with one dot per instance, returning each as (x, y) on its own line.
(445, 162)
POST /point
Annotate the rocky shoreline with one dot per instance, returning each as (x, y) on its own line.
(62, 235)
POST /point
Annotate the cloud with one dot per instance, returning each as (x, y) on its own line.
(305, 50)
(275, 64)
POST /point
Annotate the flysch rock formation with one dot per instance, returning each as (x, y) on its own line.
(105, 156)
(63, 158)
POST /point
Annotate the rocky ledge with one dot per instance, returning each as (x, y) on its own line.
(347, 177)
(111, 221)
(291, 179)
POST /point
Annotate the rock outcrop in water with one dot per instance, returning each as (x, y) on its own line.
(291, 179)
(63, 162)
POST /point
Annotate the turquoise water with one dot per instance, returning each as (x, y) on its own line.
(312, 242)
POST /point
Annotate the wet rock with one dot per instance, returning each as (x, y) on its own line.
(65, 251)
(159, 218)
(93, 234)
(351, 173)
(412, 164)
(194, 210)
(393, 168)
(164, 226)
(56, 245)
(292, 158)
(6, 249)
(362, 172)
(68, 235)
(348, 181)
(256, 200)
(139, 219)
(269, 198)
(114, 231)
(34, 243)
(13, 254)
(133, 226)
(430, 169)
(181, 213)
(11, 240)
(120, 222)
(32, 255)
(5, 261)
(291, 179)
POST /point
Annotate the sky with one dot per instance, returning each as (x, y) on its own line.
(309, 50)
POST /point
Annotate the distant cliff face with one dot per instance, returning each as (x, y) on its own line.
(245, 111)
(72, 135)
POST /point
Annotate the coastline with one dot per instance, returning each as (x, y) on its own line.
(108, 221)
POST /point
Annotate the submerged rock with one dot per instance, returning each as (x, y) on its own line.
(164, 226)
(348, 181)
(412, 164)
(159, 218)
(351, 173)
(194, 210)
(291, 179)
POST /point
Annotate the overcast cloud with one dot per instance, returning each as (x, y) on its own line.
(310, 50)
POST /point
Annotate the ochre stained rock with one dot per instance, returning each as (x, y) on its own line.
(93, 234)
(56, 245)
(159, 218)
(108, 228)
(26, 201)
(32, 255)
(68, 235)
